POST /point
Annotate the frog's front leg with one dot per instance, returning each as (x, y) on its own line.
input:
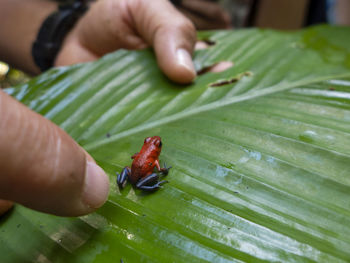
(150, 183)
(121, 179)
(134, 156)
(164, 170)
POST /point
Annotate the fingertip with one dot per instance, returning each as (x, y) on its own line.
(173, 37)
(96, 187)
(186, 72)
(177, 65)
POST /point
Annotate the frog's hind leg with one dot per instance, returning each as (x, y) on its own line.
(150, 183)
(121, 179)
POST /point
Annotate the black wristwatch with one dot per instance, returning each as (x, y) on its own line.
(176, 2)
(53, 31)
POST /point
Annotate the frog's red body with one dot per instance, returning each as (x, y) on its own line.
(141, 173)
(145, 161)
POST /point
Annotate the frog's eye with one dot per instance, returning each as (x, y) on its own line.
(147, 140)
(160, 143)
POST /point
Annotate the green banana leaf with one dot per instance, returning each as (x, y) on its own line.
(260, 154)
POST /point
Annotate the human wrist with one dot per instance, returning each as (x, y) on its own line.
(54, 30)
(21, 20)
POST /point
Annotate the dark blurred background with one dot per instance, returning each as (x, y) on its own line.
(276, 14)
(233, 14)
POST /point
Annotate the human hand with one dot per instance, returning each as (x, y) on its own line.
(134, 24)
(205, 14)
(43, 168)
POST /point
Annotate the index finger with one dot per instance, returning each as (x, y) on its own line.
(172, 35)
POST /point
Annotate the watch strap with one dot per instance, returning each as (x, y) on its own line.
(53, 31)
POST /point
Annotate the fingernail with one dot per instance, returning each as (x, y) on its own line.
(96, 186)
(184, 58)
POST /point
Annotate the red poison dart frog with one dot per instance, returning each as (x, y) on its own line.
(142, 175)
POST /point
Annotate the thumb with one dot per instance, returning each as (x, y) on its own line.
(43, 168)
(172, 35)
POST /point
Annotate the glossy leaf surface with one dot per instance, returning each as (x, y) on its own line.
(261, 164)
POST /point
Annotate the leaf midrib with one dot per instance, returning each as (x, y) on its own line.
(211, 106)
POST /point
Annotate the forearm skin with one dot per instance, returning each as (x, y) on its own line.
(20, 21)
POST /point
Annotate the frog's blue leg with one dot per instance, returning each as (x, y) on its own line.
(121, 179)
(150, 183)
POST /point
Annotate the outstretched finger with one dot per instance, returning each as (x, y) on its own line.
(171, 34)
(43, 168)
